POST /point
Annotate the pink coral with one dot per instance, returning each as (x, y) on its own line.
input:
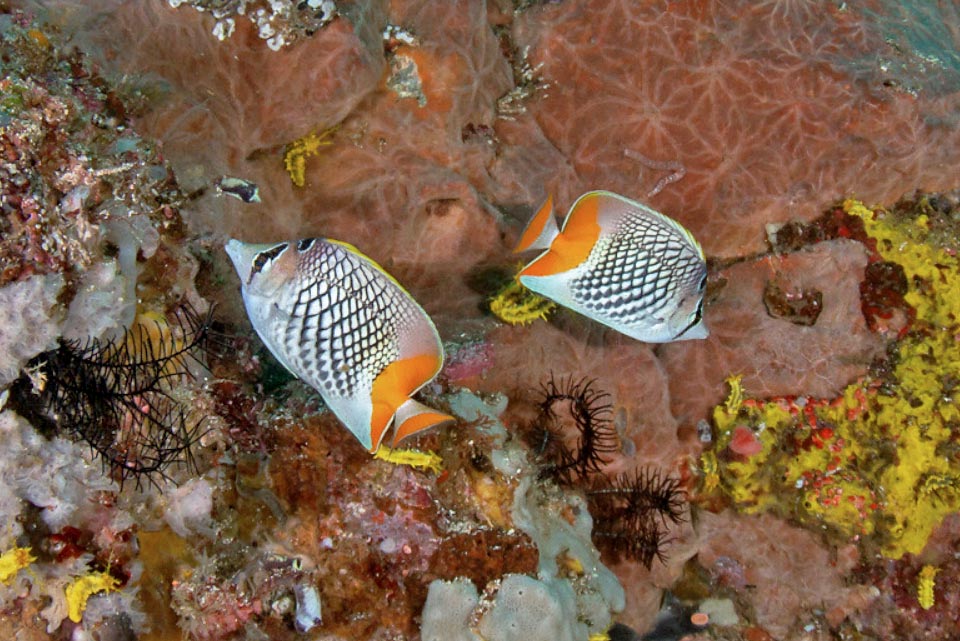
(757, 100)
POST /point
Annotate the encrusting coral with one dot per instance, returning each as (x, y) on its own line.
(879, 462)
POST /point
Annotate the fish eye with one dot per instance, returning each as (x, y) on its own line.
(260, 260)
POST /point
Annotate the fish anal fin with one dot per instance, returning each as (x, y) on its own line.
(393, 387)
(413, 417)
(574, 243)
(541, 230)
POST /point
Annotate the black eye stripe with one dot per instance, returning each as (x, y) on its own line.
(305, 244)
(697, 317)
(260, 260)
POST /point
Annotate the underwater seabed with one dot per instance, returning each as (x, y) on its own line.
(794, 476)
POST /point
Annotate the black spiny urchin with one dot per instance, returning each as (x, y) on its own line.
(117, 395)
(590, 410)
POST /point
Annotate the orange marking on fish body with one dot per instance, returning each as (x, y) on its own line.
(393, 386)
(573, 245)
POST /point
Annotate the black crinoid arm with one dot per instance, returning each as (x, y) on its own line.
(117, 395)
(631, 513)
(590, 411)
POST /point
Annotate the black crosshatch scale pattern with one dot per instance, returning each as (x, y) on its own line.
(639, 272)
(346, 319)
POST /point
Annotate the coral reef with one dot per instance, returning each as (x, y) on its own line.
(452, 120)
(876, 462)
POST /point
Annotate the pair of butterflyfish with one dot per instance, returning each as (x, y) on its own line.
(335, 319)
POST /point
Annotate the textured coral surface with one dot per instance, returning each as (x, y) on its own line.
(443, 126)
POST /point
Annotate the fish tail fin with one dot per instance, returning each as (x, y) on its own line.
(541, 230)
(413, 417)
(573, 245)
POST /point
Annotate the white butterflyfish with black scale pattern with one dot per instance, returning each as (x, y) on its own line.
(620, 263)
(339, 322)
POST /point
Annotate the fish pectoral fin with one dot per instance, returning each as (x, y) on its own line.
(413, 417)
(540, 231)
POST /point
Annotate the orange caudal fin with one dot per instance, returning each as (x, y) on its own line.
(392, 389)
(413, 417)
(541, 230)
(574, 244)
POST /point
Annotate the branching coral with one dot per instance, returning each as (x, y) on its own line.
(880, 460)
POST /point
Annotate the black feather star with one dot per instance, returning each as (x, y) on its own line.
(117, 395)
(590, 410)
(632, 511)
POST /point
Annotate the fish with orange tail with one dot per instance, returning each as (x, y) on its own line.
(620, 263)
(335, 319)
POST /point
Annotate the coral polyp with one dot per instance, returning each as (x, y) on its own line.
(879, 462)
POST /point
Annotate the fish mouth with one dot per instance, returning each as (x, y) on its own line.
(241, 254)
(695, 327)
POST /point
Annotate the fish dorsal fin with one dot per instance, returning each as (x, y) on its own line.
(575, 241)
(615, 207)
(541, 230)
(413, 417)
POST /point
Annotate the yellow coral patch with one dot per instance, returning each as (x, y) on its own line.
(413, 458)
(517, 305)
(82, 588)
(295, 157)
(879, 460)
(12, 561)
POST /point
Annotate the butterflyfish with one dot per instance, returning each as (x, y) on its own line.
(335, 319)
(620, 263)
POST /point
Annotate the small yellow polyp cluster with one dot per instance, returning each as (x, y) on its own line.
(880, 461)
(297, 152)
(14, 560)
(517, 305)
(83, 587)
(413, 458)
(925, 586)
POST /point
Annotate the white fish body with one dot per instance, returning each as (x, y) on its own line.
(338, 321)
(622, 264)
